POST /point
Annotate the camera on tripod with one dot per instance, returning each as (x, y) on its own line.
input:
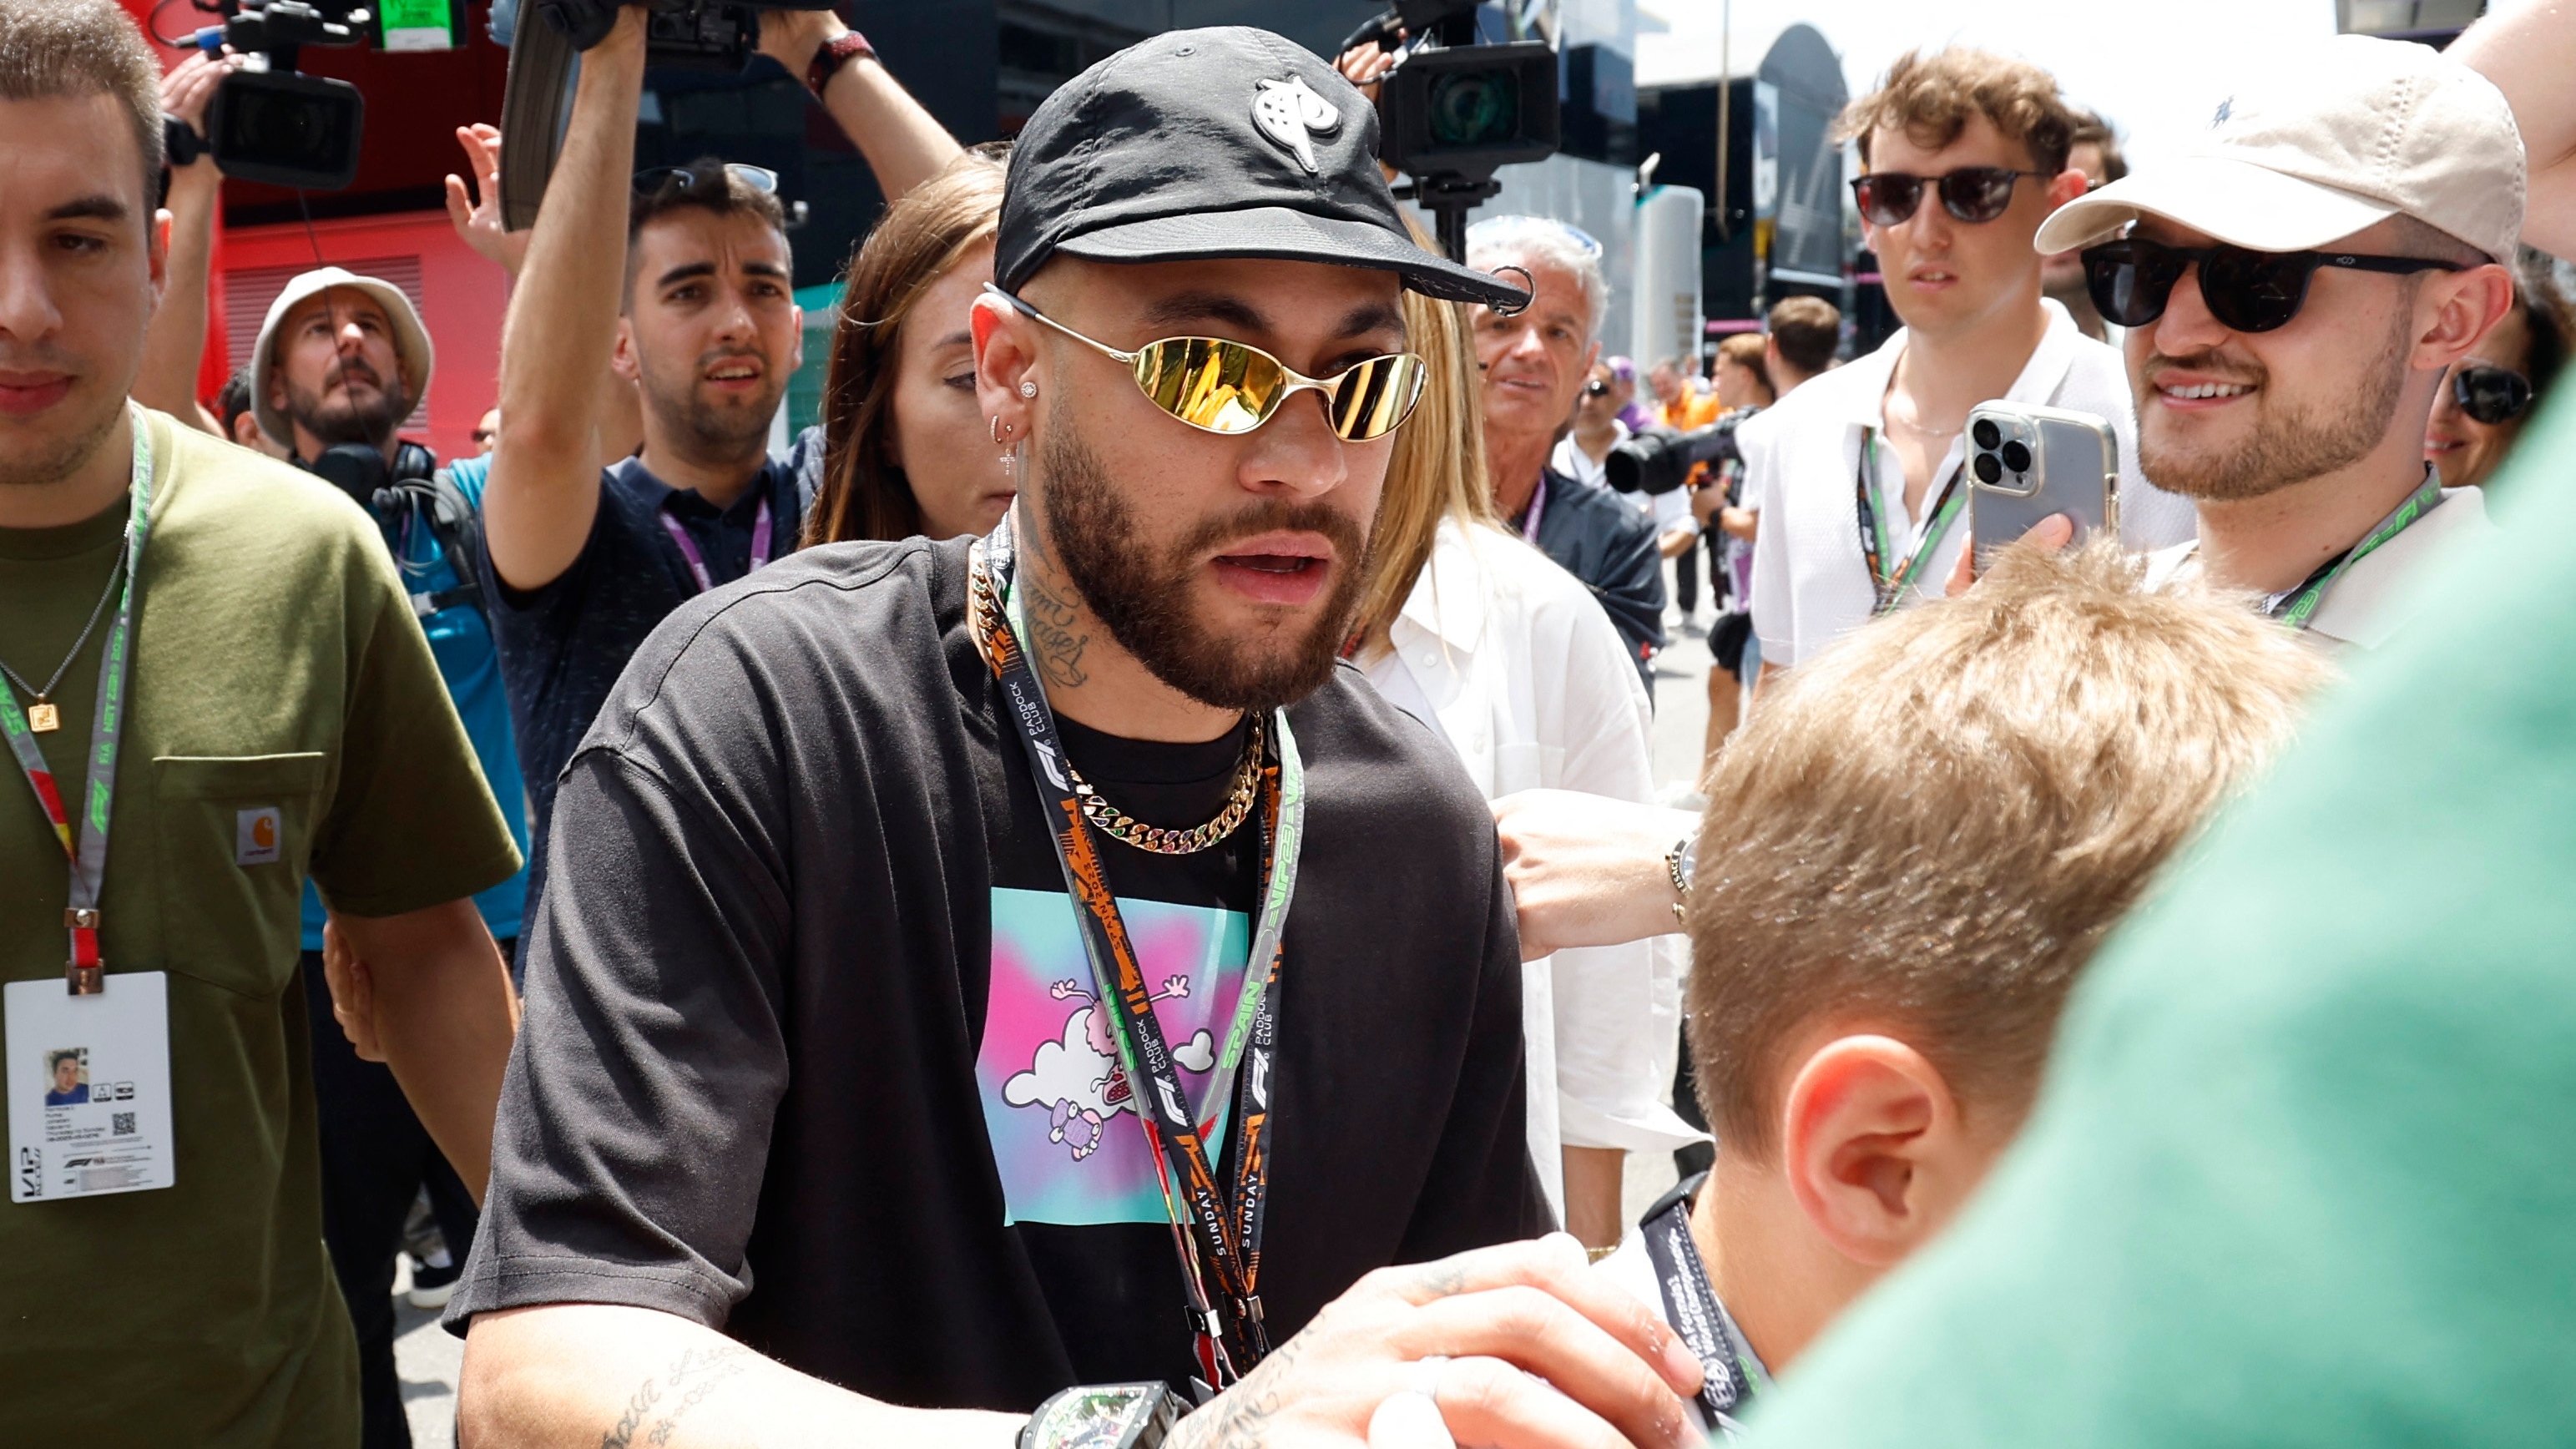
(273, 123)
(1454, 110)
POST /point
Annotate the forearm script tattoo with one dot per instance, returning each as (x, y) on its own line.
(687, 1382)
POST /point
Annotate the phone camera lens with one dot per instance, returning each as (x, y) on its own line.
(2016, 457)
(1987, 434)
(1988, 469)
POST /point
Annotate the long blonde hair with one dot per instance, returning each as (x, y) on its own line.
(1437, 470)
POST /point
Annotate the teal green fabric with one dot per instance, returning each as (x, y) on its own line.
(2304, 1171)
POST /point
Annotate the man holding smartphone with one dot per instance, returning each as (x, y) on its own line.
(2296, 288)
(1860, 481)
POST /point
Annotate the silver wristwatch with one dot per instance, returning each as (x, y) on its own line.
(1105, 1416)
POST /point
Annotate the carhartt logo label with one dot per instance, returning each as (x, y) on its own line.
(1290, 113)
(255, 836)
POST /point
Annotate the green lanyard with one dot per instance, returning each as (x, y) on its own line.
(84, 839)
(2298, 608)
(1875, 546)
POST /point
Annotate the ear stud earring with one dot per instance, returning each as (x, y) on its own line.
(1028, 389)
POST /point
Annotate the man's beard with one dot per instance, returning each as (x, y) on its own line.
(53, 465)
(2288, 447)
(1143, 597)
(343, 419)
(716, 430)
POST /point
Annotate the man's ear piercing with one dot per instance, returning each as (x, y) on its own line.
(1028, 389)
(1000, 427)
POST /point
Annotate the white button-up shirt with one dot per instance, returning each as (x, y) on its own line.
(1811, 582)
(1509, 658)
(2374, 599)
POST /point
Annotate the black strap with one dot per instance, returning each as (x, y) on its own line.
(428, 494)
(1732, 1372)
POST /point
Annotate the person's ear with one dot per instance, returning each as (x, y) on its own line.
(156, 251)
(1006, 366)
(1874, 1148)
(2066, 186)
(2456, 310)
(621, 358)
(796, 318)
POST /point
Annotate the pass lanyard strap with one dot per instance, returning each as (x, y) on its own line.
(2299, 606)
(1220, 1250)
(698, 562)
(1537, 510)
(85, 842)
(1875, 546)
(1731, 1372)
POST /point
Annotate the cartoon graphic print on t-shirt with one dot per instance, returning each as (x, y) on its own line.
(1058, 1109)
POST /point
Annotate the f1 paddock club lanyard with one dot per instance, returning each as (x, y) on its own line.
(698, 562)
(1216, 1234)
(85, 840)
(2298, 606)
(1875, 546)
(1731, 1372)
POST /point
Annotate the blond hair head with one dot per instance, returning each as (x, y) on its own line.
(1929, 827)
(1436, 471)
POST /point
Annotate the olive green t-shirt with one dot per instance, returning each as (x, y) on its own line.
(276, 664)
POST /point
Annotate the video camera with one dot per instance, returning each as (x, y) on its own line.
(714, 35)
(274, 123)
(1659, 460)
(1453, 110)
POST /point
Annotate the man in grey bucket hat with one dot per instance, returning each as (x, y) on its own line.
(873, 1055)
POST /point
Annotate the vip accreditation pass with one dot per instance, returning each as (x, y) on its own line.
(89, 1087)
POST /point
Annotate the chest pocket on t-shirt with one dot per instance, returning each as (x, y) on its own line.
(234, 837)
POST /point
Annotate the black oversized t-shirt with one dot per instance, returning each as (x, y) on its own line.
(784, 1066)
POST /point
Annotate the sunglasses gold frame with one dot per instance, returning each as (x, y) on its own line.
(1213, 384)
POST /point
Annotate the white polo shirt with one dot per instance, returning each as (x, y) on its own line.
(2373, 600)
(1811, 582)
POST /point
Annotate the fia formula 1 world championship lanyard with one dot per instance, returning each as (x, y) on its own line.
(85, 838)
(697, 561)
(1731, 1372)
(2299, 606)
(1217, 1235)
(1875, 546)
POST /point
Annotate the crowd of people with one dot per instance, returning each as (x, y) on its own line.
(1095, 899)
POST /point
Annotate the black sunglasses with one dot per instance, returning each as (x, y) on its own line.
(653, 178)
(1595, 388)
(2490, 394)
(1974, 194)
(2247, 291)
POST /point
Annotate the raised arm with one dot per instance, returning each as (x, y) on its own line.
(176, 339)
(903, 145)
(2527, 51)
(544, 492)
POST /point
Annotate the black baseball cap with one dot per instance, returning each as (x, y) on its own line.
(1222, 142)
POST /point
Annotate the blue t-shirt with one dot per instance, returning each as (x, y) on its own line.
(471, 666)
(564, 644)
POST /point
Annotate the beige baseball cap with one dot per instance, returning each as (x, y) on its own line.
(2333, 140)
(411, 340)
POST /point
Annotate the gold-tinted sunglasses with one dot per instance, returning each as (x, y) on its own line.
(1220, 386)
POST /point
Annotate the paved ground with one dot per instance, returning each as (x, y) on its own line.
(428, 1358)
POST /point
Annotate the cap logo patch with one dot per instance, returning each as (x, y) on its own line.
(1291, 114)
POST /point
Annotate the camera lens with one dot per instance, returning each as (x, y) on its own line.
(1987, 434)
(277, 128)
(2016, 457)
(1988, 470)
(1475, 108)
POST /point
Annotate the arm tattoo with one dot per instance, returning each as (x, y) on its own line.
(1241, 1418)
(709, 1367)
(1052, 638)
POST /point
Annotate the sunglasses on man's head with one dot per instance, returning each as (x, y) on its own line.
(1973, 194)
(2247, 291)
(1221, 386)
(653, 178)
(2490, 394)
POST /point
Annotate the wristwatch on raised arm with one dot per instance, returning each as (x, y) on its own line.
(831, 55)
(1682, 863)
(1105, 1416)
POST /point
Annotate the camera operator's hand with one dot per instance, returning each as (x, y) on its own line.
(790, 37)
(1365, 66)
(187, 89)
(476, 213)
(1518, 1347)
(2052, 533)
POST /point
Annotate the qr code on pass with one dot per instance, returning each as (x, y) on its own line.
(123, 1122)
